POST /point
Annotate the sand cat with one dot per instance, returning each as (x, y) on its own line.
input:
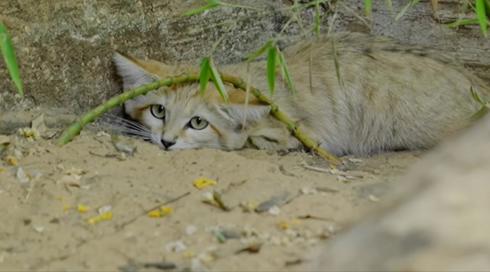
(384, 96)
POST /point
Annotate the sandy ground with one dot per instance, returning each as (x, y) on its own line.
(52, 199)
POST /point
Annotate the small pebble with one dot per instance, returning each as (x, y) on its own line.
(190, 229)
(104, 209)
(308, 191)
(124, 145)
(22, 176)
(373, 198)
(175, 246)
(39, 229)
(274, 210)
(4, 140)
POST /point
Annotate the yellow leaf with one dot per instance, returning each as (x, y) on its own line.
(162, 212)
(154, 214)
(99, 218)
(287, 224)
(83, 208)
(201, 183)
(188, 254)
(11, 160)
(166, 210)
(66, 207)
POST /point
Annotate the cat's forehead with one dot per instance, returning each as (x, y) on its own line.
(185, 99)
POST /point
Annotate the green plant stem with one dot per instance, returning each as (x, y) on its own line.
(118, 100)
(284, 118)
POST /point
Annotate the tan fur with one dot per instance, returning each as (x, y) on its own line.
(388, 96)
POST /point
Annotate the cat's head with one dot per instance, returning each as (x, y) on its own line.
(179, 117)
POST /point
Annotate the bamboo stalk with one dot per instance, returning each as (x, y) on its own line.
(238, 83)
(284, 118)
(118, 100)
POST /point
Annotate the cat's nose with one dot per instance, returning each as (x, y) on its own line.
(167, 144)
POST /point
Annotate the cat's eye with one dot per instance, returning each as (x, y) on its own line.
(198, 123)
(158, 111)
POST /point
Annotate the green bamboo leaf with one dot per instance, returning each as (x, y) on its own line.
(271, 68)
(476, 96)
(8, 53)
(210, 5)
(261, 51)
(479, 114)
(204, 75)
(218, 82)
(405, 8)
(463, 22)
(368, 7)
(389, 3)
(285, 72)
(317, 19)
(482, 16)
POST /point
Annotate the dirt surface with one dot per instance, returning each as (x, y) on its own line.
(51, 197)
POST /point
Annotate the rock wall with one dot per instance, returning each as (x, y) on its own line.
(64, 47)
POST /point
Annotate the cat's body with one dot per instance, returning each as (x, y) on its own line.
(384, 97)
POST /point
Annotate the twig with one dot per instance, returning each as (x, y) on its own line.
(238, 83)
(318, 169)
(145, 212)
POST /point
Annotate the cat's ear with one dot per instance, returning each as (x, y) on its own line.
(238, 113)
(132, 74)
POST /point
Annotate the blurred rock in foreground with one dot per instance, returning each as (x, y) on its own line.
(439, 221)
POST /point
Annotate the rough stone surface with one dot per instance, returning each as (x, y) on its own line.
(64, 47)
(438, 220)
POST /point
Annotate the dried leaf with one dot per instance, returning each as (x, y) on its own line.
(253, 248)
(83, 208)
(201, 183)
(107, 216)
(162, 212)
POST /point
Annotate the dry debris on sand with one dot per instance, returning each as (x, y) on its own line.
(105, 203)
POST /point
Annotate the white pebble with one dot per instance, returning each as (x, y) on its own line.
(22, 176)
(190, 229)
(104, 209)
(175, 246)
(274, 210)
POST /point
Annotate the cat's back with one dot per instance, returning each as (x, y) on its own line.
(362, 94)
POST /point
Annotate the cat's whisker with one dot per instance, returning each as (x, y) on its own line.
(125, 130)
(110, 118)
(126, 127)
(122, 125)
(154, 139)
(125, 124)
